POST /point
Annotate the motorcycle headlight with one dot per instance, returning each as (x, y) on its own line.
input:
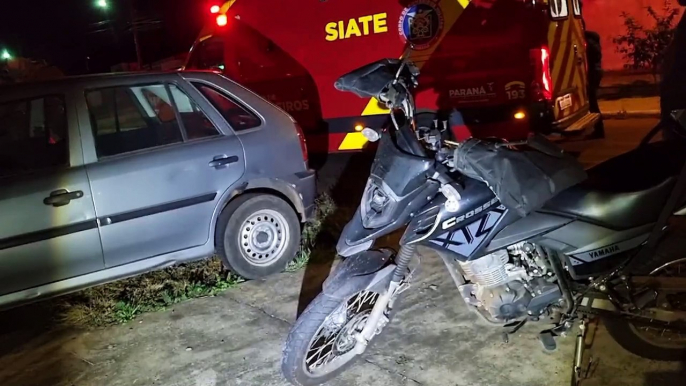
(378, 206)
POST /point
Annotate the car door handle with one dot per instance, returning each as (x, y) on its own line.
(62, 197)
(221, 161)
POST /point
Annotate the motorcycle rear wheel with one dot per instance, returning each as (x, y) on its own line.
(640, 341)
(644, 340)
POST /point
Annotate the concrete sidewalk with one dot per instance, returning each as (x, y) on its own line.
(236, 339)
(648, 107)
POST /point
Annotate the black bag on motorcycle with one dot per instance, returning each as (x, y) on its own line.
(522, 178)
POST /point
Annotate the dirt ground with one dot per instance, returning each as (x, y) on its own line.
(236, 338)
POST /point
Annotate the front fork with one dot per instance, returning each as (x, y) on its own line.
(377, 316)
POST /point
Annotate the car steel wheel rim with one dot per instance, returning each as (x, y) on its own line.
(332, 345)
(263, 237)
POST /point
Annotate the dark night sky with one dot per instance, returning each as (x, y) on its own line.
(57, 31)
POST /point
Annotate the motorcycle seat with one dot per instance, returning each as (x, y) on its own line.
(626, 191)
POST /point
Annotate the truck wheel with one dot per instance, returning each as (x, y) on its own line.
(257, 235)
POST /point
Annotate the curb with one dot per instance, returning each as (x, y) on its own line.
(631, 114)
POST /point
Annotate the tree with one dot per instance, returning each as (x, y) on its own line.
(644, 48)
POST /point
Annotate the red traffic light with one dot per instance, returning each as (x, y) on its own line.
(215, 9)
(222, 20)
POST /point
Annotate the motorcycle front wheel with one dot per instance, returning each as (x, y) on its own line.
(321, 344)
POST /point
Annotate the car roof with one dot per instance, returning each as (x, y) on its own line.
(61, 85)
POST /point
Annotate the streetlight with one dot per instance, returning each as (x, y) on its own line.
(6, 55)
(102, 4)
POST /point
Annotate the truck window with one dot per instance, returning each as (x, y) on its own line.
(559, 9)
(208, 55)
(576, 6)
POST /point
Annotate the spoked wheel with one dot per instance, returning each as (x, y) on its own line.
(647, 340)
(321, 344)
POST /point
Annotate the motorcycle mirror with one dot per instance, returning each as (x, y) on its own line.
(371, 134)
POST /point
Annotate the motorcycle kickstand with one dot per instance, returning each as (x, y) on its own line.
(579, 350)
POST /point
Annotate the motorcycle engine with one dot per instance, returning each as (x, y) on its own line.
(510, 284)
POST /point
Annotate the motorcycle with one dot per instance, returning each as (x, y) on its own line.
(608, 247)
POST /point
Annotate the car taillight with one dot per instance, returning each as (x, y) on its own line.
(542, 86)
(303, 143)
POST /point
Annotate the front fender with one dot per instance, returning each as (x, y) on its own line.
(358, 272)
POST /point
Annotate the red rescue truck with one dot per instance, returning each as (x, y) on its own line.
(509, 66)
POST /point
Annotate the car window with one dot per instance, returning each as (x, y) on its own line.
(238, 117)
(33, 135)
(559, 9)
(195, 122)
(576, 7)
(126, 119)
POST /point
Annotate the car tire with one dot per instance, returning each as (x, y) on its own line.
(257, 235)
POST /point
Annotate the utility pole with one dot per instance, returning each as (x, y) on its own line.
(136, 42)
(104, 5)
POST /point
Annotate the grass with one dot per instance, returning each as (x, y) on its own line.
(122, 301)
(312, 231)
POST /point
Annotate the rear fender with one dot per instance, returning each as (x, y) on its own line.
(366, 270)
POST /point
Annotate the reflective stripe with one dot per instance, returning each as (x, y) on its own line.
(226, 6)
(374, 107)
(353, 141)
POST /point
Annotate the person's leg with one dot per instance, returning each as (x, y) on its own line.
(594, 107)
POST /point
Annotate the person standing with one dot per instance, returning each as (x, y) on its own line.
(594, 56)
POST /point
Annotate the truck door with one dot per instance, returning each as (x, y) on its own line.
(568, 61)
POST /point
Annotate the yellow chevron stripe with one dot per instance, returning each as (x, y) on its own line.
(353, 141)
(560, 54)
(374, 107)
(226, 6)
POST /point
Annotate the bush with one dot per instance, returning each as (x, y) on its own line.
(645, 48)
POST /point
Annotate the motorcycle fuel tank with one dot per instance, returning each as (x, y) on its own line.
(462, 231)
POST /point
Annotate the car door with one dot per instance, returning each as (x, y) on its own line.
(159, 169)
(48, 229)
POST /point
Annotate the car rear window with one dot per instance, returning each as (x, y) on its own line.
(238, 117)
(33, 135)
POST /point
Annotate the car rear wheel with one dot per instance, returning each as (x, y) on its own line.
(257, 235)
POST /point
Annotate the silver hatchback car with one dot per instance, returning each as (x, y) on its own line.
(109, 176)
